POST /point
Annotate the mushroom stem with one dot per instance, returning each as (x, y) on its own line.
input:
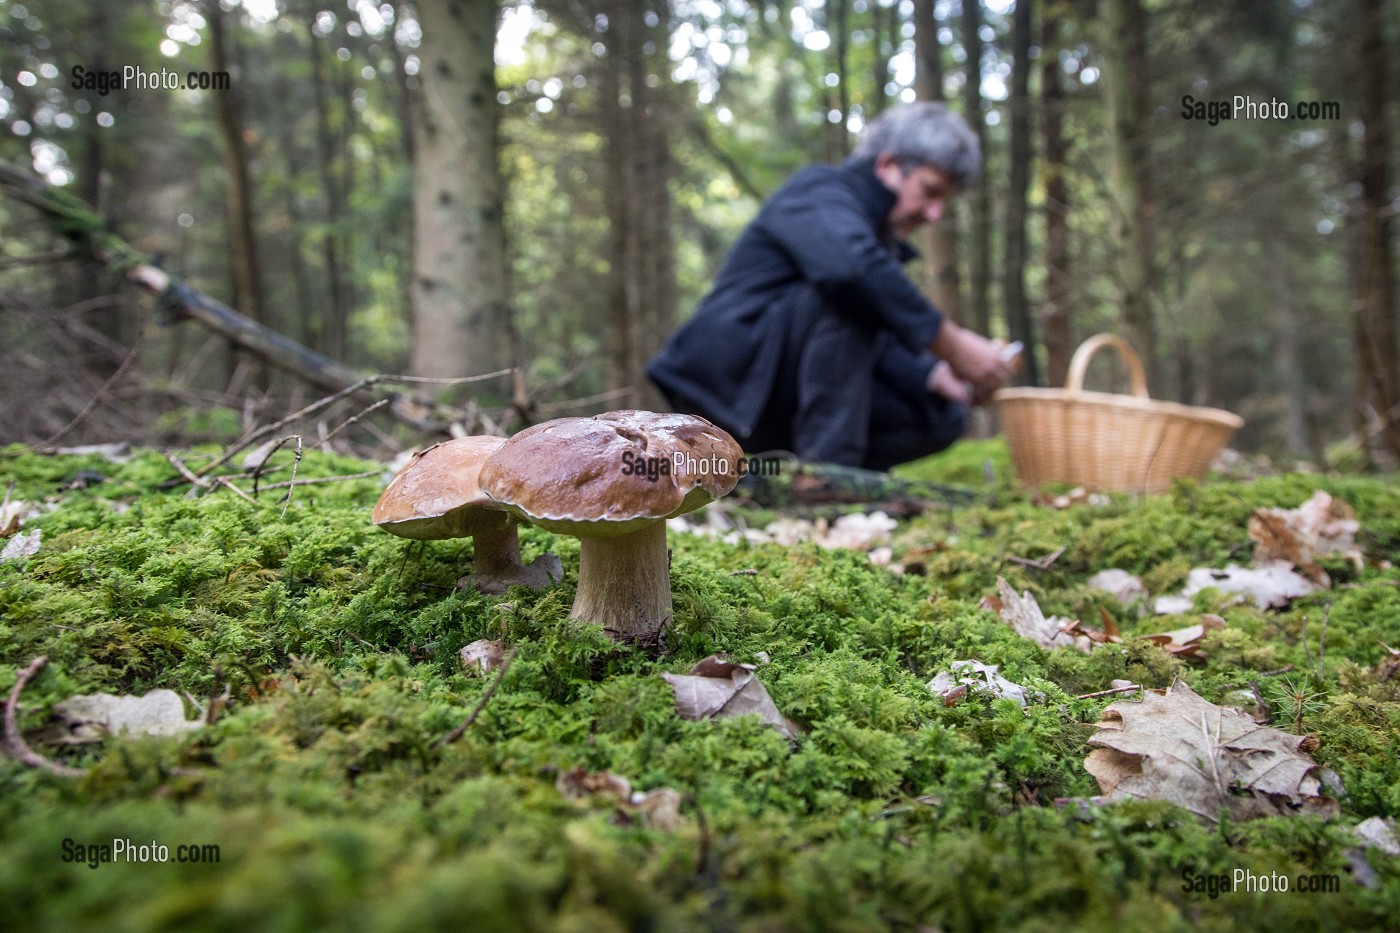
(497, 566)
(624, 583)
(497, 549)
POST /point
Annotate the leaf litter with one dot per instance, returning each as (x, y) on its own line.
(1208, 759)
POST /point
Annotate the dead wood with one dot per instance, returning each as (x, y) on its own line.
(76, 221)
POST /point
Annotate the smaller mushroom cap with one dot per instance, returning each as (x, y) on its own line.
(436, 494)
(613, 473)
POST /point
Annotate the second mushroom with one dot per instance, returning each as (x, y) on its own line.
(436, 496)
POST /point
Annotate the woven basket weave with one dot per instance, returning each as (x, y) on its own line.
(1107, 442)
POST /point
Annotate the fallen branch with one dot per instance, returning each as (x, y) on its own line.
(14, 741)
(79, 223)
(461, 730)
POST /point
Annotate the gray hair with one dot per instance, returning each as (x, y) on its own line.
(925, 133)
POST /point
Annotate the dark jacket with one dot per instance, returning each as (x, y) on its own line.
(824, 228)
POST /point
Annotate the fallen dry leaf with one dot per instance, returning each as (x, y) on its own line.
(1186, 641)
(23, 545)
(1125, 587)
(96, 716)
(580, 784)
(716, 689)
(14, 513)
(1378, 832)
(1388, 666)
(1271, 586)
(954, 684)
(1319, 527)
(1077, 496)
(1024, 615)
(659, 808)
(483, 656)
(1206, 758)
(857, 531)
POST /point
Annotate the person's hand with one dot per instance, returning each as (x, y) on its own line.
(941, 381)
(975, 359)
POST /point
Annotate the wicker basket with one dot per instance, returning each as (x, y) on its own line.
(1106, 442)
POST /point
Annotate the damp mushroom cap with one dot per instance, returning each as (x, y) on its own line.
(436, 494)
(613, 473)
(612, 481)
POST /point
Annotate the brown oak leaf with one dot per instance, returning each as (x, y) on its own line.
(1206, 758)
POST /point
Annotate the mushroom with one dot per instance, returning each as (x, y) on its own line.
(436, 496)
(612, 481)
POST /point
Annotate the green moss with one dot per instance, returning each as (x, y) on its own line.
(335, 806)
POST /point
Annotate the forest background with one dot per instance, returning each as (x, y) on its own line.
(459, 187)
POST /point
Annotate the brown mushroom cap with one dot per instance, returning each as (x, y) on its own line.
(436, 494)
(591, 476)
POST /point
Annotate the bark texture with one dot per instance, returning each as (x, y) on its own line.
(461, 311)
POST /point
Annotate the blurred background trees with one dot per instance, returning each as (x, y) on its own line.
(374, 186)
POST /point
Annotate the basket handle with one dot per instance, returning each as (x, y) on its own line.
(1074, 382)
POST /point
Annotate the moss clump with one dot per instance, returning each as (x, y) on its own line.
(334, 803)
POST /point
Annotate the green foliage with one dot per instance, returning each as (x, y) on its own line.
(334, 804)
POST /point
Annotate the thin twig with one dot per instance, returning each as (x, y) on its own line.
(296, 462)
(1322, 643)
(321, 479)
(252, 437)
(1104, 693)
(227, 484)
(1039, 563)
(1286, 669)
(14, 741)
(217, 700)
(185, 471)
(461, 730)
(259, 468)
(439, 380)
(355, 419)
(587, 400)
(81, 416)
(1303, 637)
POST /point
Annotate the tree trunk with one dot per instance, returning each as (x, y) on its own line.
(642, 284)
(1018, 313)
(1288, 358)
(1124, 77)
(461, 310)
(940, 239)
(1376, 310)
(243, 245)
(979, 241)
(884, 25)
(333, 331)
(1056, 313)
(403, 108)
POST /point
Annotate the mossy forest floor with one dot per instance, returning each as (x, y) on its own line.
(334, 806)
